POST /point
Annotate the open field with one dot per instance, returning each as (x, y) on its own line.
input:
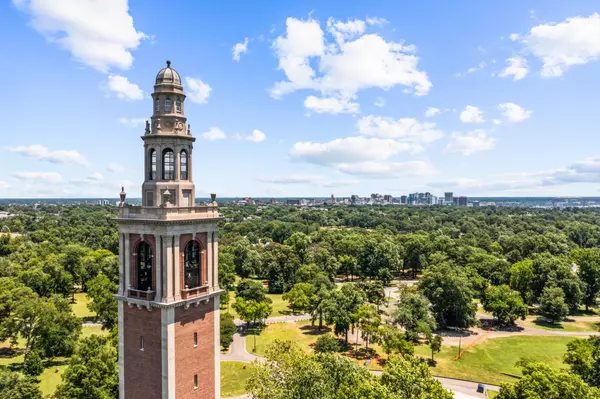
(299, 332)
(80, 306)
(280, 307)
(578, 325)
(234, 376)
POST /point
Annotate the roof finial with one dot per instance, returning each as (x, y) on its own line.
(168, 64)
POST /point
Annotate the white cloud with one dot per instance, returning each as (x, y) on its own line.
(340, 183)
(291, 179)
(349, 149)
(133, 122)
(358, 62)
(376, 170)
(213, 133)
(122, 88)
(470, 143)
(479, 67)
(256, 136)
(513, 112)
(406, 129)
(115, 168)
(517, 68)
(379, 102)
(343, 31)
(94, 178)
(471, 114)
(514, 37)
(197, 90)
(100, 34)
(331, 105)
(376, 21)
(497, 122)
(40, 177)
(43, 153)
(431, 112)
(239, 49)
(575, 41)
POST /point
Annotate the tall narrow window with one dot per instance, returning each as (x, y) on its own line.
(195, 381)
(195, 339)
(157, 105)
(184, 165)
(168, 105)
(152, 173)
(168, 165)
(144, 267)
(141, 342)
(178, 106)
(192, 265)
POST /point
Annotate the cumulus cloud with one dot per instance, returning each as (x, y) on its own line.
(406, 129)
(331, 105)
(115, 168)
(376, 21)
(291, 179)
(41, 177)
(575, 41)
(197, 90)
(213, 133)
(94, 178)
(513, 112)
(516, 68)
(121, 87)
(353, 61)
(471, 70)
(43, 153)
(133, 122)
(100, 34)
(239, 49)
(471, 114)
(470, 143)
(431, 112)
(377, 170)
(256, 136)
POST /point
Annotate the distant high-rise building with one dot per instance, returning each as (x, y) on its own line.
(403, 199)
(475, 203)
(387, 198)
(449, 197)
(462, 201)
(455, 201)
(354, 198)
(273, 202)
(333, 198)
(293, 202)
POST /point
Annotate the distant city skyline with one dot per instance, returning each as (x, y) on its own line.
(485, 99)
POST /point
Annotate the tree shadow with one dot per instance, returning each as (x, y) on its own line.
(540, 322)
(7, 353)
(493, 325)
(244, 330)
(314, 330)
(455, 332)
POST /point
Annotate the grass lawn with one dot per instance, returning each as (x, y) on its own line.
(280, 307)
(87, 331)
(233, 378)
(493, 361)
(491, 394)
(80, 306)
(299, 332)
(564, 326)
(51, 377)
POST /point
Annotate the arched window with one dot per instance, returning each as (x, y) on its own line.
(184, 165)
(191, 263)
(168, 105)
(157, 105)
(144, 267)
(152, 172)
(168, 165)
(178, 106)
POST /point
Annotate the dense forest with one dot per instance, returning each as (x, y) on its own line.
(330, 262)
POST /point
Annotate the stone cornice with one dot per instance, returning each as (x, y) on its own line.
(168, 222)
(186, 303)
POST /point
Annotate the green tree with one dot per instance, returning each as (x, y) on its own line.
(319, 299)
(327, 343)
(92, 372)
(34, 365)
(342, 308)
(588, 262)
(393, 341)
(300, 243)
(583, 357)
(505, 304)
(521, 279)
(552, 304)
(374, 291)
(103, 303)
(449, 290)
(228, 329)
(14, 385)
(252, 290)
(252, 311)
(541, 381)
(299, 297)
(435, 344)
(369, 321)
(409, 378)
(413, 313)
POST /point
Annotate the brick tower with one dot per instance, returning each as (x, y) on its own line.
(169, 291)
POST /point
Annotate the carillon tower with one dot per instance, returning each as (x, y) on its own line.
(168, 294)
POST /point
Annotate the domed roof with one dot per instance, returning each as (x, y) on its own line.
(168, 76)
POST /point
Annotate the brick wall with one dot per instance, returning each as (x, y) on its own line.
(143, 378)
(190, 360)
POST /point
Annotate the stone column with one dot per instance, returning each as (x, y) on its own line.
(215, 268)
(159, 270)
(127, 253)
(167, 257)
(209, 262)
(122, 255)
(177, 266)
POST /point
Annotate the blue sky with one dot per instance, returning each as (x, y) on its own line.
(306, 98)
